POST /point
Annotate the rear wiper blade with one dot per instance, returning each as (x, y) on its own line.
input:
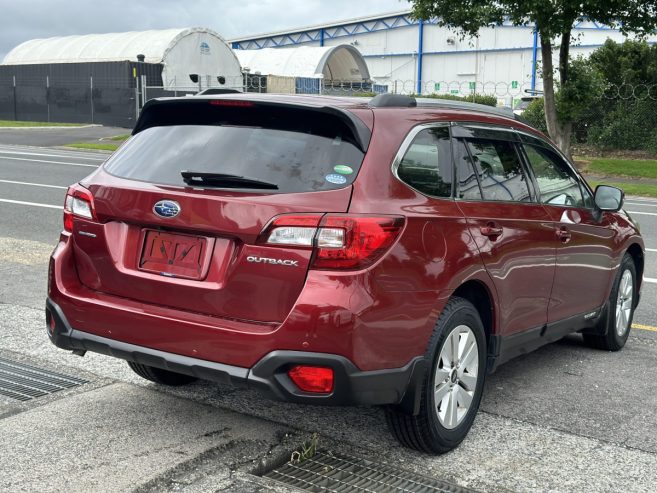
(200, 178)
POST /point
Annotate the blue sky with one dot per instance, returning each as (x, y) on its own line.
(22, 20)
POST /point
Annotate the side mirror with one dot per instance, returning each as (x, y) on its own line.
(608, 198)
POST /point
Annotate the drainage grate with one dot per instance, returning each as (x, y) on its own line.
(327, 471)
(24, 382)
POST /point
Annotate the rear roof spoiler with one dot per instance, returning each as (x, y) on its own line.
(151, 117)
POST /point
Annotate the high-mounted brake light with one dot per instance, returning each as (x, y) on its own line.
(232, 102)
(79, 202)
(340, 241)
(316, 379)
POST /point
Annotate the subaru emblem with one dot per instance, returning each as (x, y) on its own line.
(166, 208)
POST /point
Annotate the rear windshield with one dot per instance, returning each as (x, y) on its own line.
(299, 151)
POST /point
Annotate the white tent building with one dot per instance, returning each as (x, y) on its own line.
(189, 57)
(335, 64)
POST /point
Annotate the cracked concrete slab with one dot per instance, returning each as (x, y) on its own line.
(119, 437)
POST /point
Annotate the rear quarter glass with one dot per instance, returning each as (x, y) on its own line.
(305, 155)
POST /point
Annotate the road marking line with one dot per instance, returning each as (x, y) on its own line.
(640, 199)
(651, 249)
(642, 204)
(644, 327)
(644, 213)
(71, 155)
(650, 280)
(32, 184)
(54, 162)
(35, 204)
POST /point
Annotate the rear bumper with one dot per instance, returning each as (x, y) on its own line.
(269, 375)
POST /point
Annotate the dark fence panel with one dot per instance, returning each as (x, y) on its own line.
(7, 106)
(100, 92)
(31, 103)
(115, 107)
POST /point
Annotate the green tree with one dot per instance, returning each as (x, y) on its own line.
(553, 20)
(633, 62)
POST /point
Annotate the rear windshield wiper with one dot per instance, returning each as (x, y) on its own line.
(223, 180)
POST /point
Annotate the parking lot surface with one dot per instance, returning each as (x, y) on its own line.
(564, 418)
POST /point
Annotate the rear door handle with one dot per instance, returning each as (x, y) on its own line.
(563, 234)
(491, 230)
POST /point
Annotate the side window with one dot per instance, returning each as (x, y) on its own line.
(556, 183)
(468, 183)
(427, 164)
(500, 171)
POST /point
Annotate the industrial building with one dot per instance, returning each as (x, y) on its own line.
(419, 56)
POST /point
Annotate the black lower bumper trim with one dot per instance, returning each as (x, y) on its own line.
(351, 385)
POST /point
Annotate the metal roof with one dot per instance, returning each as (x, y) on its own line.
(353, 20)
(108, 47)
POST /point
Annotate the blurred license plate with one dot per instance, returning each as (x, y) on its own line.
(173, 255)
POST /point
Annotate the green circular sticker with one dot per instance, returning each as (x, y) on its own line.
(343, 169)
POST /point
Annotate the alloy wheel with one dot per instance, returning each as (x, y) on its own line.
(456, 376)
(624, 303)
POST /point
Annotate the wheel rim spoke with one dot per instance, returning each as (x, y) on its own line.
(441, 392)
(452, 409)
(454, 343)
(468, 381)
(470, 355)
(464, 397)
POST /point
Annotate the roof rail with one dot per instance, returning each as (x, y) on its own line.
(392, 101)
(464, 105)
(402, 101)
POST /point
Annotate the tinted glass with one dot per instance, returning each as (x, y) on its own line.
(468, 184)
(296, 161)
(427, 164)
(556, 183)
(500, 171)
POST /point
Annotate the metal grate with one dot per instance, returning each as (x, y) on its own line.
(327, 471)
(24, 382)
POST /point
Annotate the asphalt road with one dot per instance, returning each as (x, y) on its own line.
(564, 418)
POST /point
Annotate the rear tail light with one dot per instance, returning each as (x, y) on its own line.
(354, 242)
(315, 379)
(340, 241)
(79, 202)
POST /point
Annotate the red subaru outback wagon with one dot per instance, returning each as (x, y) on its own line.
(340, 251)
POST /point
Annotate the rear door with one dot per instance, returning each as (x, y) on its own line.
(584, 240)
(193, 245)
(514, 234)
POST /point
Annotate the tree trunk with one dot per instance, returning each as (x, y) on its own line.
(559, 132)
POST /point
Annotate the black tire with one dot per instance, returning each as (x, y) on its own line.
(163, 377)
(424, 431)
(608, 338)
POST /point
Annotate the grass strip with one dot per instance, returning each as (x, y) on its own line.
(11, 123)
(94, 146)
(636, 168)
(638, 189)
